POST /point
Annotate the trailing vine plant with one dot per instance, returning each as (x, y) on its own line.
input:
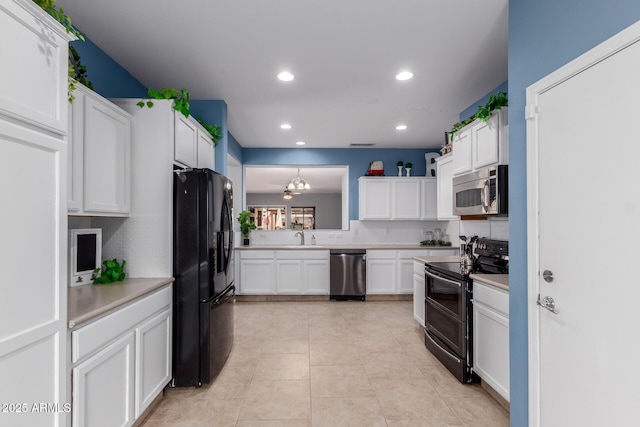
(61, 16)
(77, 72)
(180, 99)
(214, 130)
(495, 102)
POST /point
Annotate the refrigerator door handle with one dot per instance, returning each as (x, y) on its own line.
(216, 298)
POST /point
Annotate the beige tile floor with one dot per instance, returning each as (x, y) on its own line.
(329, 364)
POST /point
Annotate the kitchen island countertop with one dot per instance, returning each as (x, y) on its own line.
(88, 301)
(500, 281)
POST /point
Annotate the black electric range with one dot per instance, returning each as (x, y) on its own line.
(448, 305)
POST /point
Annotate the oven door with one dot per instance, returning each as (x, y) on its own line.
(446, 311)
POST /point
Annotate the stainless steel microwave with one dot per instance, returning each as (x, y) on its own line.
(483, 192)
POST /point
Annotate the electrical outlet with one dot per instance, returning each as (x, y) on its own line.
(387, 230)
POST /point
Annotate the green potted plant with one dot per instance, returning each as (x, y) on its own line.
(408, 167)
(400, 164)
(113, 271)
(246, 225)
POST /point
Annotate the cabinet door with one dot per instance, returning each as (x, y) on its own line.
(462, 150)
(418, 295)
(107, 147)
(429, 199)
(445, 188)
(289, 276)
(75, 176)
(33, 89)
(257, 276)
(381, 276)
(206, 156)
(316, 276)
(374, 198)
(486, 138)
(186, 141)
(405, 276)
(405, 198)
(153, 359)
(491, 348)
(103, 386)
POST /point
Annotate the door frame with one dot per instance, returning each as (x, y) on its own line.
(599, 53)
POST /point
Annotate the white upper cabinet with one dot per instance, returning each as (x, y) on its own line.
(35, 54)
(206, 150)
(186, 141)
(100, 160)
(444, 173)
(463, 151)
(481, 143)
(397, 198)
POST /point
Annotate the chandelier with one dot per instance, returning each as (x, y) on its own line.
(287, 194)
(298, 183)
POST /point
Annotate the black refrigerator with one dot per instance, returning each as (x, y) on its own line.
(203, 291)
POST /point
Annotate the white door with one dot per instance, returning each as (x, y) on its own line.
(584, 204)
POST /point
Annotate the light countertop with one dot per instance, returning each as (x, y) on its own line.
(436, 258)
(88, 301)
(344, 246)
(500, 281)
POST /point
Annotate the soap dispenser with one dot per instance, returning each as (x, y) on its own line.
(313, 239)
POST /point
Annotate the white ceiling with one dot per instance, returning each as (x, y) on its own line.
(344, 54)
(271, 179)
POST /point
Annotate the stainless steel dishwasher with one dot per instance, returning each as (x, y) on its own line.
(348, 274)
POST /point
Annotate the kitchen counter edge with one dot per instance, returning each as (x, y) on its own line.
(500, 281)
(86, 302)
(345, 246)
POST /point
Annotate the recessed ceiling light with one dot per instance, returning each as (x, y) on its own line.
(285, 76)
(300, 143)
(285, 126)
(405, 75)
(401, 127)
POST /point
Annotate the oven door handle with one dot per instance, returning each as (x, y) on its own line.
(433, 276)
(444, 350)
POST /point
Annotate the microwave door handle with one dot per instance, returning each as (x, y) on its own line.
(433, 276)
(485, 196)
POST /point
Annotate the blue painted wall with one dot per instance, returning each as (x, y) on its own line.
(108, 77)
(357, 159)
(471, 110)
(235, 150)
(543, 36)
(214, 112)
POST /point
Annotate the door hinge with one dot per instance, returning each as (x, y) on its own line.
(530, 111)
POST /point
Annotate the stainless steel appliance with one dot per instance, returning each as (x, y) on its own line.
(483, 192)
(348, 274)
(204, 290)
(448, 306)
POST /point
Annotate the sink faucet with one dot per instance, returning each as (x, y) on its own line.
(301, 234)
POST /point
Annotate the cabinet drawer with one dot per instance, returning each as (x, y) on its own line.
(87, 339)
(303, 254)
(257, 254)
(490, 296)
(382, 254)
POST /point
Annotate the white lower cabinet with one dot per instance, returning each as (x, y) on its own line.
(153, 359)
(121, 362)
(103, 386)
(491, 336)
(257, 272)
(287, 272)
(381, 271)
(418, 292)
(393, 272)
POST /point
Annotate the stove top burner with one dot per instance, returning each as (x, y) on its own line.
(491, 257)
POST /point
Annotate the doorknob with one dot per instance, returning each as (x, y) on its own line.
(547, 275)
(548, 303)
